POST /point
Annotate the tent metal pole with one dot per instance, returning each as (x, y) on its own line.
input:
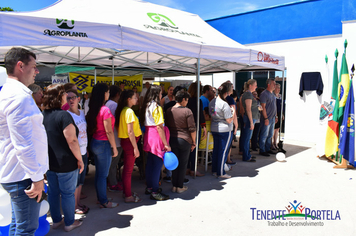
(198, 118)
(113, 71)
(95, 76)
(280, 117)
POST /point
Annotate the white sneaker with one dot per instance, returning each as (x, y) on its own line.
(225, 176)
(227, 167)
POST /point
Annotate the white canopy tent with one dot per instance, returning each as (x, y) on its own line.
(128, 34)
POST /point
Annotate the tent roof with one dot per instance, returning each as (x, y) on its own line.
(127, 34)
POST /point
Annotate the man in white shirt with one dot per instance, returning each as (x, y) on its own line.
(23, 142)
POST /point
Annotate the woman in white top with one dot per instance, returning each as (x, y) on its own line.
(169, 97)
(221, 127)
(155, 141)
(79, 119)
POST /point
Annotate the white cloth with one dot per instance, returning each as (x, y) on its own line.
(151, 113)
(112, 106)
(81, 123)
(86, 106)
(23, 138)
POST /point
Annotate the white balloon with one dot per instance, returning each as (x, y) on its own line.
(3, 76)
(4, 198)
(281, 156)
(44, 208)
(5, 215)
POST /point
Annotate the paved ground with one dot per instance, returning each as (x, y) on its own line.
(223, 207)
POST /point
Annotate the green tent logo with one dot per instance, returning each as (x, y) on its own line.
(65, 24)
(162, 20)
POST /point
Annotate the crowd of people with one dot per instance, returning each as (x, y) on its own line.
(52, 133)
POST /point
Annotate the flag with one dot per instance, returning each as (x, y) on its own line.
(344, 86)
(332, 132)
(347, 130)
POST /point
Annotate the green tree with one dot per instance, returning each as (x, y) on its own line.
(6, 9)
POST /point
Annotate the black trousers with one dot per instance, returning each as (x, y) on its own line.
(181, 149)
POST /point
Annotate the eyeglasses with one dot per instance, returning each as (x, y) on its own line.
(71, 98)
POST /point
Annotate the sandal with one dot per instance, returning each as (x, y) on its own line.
(81, 211)
(109, 205)
(133, 199)
(133, 194)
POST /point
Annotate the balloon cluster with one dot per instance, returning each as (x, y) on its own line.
(6, 215)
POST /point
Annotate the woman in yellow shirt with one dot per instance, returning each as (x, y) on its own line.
(155, 141)
(129, 131)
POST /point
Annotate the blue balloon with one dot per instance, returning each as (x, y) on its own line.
(45, 188)
(170, 161)
(43, 226)
(44, 217)
(4, 230)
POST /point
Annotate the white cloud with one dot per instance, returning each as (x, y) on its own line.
(244, 7)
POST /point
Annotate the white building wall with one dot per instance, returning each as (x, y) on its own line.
(308, 55)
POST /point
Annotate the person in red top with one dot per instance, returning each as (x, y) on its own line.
(100, 123)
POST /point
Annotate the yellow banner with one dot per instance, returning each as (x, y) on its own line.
(85, 83)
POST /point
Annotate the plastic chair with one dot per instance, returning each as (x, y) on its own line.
(206, 150)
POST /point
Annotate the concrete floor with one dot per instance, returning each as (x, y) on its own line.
(223, 207)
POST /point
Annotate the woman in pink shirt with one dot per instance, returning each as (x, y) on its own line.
(100, 123)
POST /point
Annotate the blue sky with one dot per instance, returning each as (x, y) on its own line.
(206, 9)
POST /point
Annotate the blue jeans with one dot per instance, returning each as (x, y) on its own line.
(153, 171)
(81, 177)
(255, 135)
(102, 151)
(241, 125)
(245, 139)
(222, 143)
(61, 188)
(25, 210)
(266, 134)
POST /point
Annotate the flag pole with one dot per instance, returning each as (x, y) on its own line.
(343, 83)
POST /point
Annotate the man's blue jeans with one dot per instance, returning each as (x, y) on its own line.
(61, 188)
(266, 134)
(245, 139)
(102, 151)
(25, 210)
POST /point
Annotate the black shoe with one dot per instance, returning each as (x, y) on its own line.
(167, 179)
(232, 163)
(148, 191)
(186, 181)
(271, 152)
(159, 196)
(264, 154)
(253, 157)
(251, 160)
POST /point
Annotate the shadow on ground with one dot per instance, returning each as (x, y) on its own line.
(99, 220)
